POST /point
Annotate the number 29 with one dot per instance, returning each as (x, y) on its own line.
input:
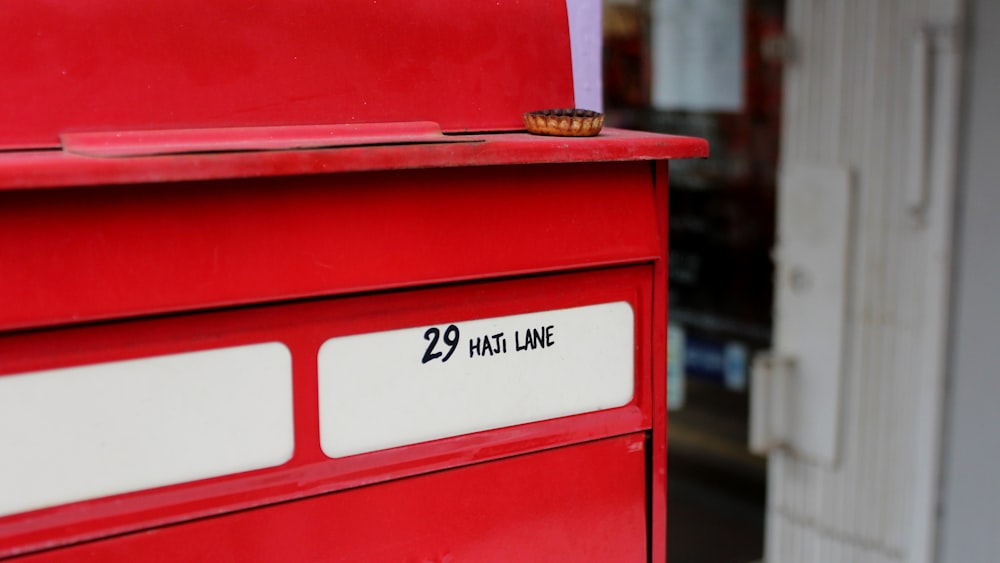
(432, 335)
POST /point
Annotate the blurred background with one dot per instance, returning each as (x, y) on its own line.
(711, 70)
(842, 239)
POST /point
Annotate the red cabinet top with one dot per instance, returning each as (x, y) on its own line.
(102, 159)
(101, 92)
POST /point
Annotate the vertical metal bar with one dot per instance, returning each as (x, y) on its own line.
(920, 86)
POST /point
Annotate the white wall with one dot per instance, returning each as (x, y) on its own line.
(850, 102)
(970, 525)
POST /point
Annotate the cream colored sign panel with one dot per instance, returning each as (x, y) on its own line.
(89, 431)
(399, 387)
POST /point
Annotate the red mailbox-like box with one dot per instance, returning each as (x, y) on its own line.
(287, 281)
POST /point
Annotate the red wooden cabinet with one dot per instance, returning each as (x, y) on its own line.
(364, 341)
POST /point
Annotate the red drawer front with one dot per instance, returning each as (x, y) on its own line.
(579, 503)
(73, 256)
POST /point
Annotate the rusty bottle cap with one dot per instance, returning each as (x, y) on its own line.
(564, 122)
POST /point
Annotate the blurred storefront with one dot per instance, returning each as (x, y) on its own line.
(710, 69)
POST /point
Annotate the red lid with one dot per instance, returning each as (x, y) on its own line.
(115, 65)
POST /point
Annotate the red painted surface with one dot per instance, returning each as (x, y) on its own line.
(195, 175)
(580, 503)
(124, 252)
(53, 168)
(658, 444)
(103, 65)
(230, 139)
(80, 255)
(303, 327)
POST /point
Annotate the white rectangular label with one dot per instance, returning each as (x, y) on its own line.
(399, 387)
(89, 431)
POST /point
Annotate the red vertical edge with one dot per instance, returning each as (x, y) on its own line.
(658, 501)
(305, 391)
